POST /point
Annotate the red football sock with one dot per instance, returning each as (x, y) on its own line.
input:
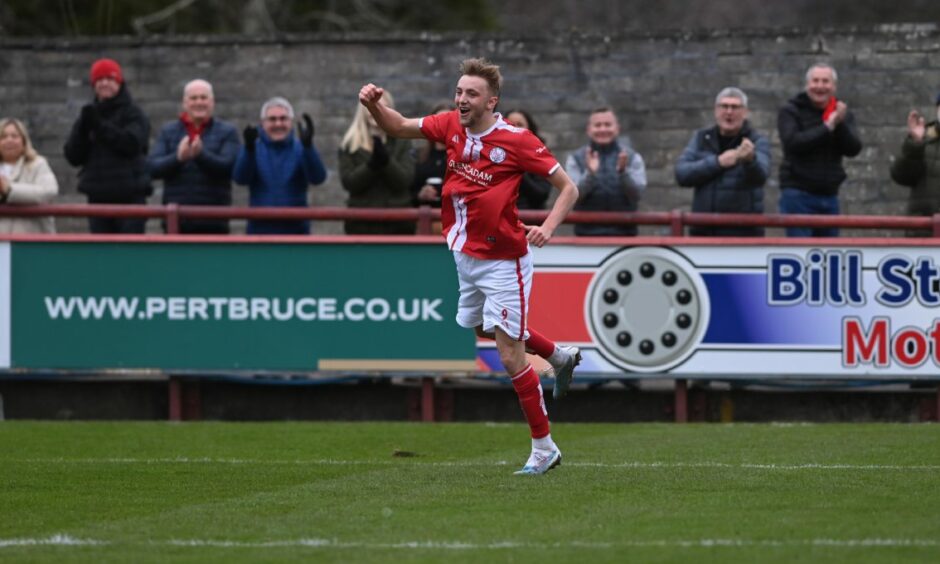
(538, 344)
(529, 389)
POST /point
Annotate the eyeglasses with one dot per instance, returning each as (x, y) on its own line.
(277, 118)
(730, 107)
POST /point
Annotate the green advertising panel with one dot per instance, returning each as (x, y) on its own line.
(241, 306)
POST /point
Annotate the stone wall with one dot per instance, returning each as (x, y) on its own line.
(662, 85)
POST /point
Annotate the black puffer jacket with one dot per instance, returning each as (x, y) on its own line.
(739, 189)
(812, 155)
(111, 148)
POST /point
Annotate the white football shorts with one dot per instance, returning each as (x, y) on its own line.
(494, 293)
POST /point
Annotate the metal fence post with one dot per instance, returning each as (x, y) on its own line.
(424, 220)
(173, 218)
(681, 401)
(676, 226)
(427, 400)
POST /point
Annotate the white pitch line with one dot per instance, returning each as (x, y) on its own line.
(65, 540)
(753, 466)
(457, 545)
(54, 540)
(412, 462)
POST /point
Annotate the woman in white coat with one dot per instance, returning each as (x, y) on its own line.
(25, 179)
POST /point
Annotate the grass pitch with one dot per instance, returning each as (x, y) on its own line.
(338, 492)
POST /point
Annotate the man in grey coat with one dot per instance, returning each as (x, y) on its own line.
(727, 164)
(194, 156)
(610, 175)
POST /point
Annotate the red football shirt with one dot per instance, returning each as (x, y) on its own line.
(481, 186)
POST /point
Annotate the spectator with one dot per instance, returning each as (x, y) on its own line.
(377, 171)
(109, 142)
(533, 189)
(816, 131)
(194, 156)
(918, 167)
(610, 175)
(727, 164)
(25, 179)
(430, 170)
(430, 167)
(277, 168)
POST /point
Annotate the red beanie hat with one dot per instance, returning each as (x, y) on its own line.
(106, 68)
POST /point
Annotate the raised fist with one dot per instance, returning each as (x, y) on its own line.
(305, 130)
(251, 135)
(370, 94)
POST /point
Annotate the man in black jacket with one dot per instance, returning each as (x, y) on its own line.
(109, 142)
(816, 131)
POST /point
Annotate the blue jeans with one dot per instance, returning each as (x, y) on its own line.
(796, 201)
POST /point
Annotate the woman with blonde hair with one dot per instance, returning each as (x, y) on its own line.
(25, 179)
(376, 171)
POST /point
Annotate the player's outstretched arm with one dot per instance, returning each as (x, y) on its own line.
(538, 235)
(392, 122)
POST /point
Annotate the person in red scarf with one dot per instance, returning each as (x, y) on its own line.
(816, 130)
(194, 156)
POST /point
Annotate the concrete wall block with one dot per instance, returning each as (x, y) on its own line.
(662, 87)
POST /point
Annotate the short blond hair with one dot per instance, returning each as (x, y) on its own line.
(485, 70)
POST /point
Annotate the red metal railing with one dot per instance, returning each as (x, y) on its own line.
(677, 220)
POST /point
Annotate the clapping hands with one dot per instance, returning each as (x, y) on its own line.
(916, 126)
(746, 150)
(189, 149)
(592, 160)
(742, 153)
(838, 116)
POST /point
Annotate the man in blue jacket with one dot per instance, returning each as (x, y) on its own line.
(277, 168)
(727, 164)
(194, 156)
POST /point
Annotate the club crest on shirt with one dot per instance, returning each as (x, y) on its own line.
(497, 155)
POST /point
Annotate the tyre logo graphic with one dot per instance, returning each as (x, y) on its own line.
(648, 309)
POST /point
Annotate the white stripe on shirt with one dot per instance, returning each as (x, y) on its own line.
(457, 235)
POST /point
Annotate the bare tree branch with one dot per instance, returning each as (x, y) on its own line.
(257, 18)
(140, 24)
(338, 21)
(366, 10)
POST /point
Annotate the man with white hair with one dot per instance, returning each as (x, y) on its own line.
(816, 131)
(194, 156)
(278, 168)
(727, 164)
